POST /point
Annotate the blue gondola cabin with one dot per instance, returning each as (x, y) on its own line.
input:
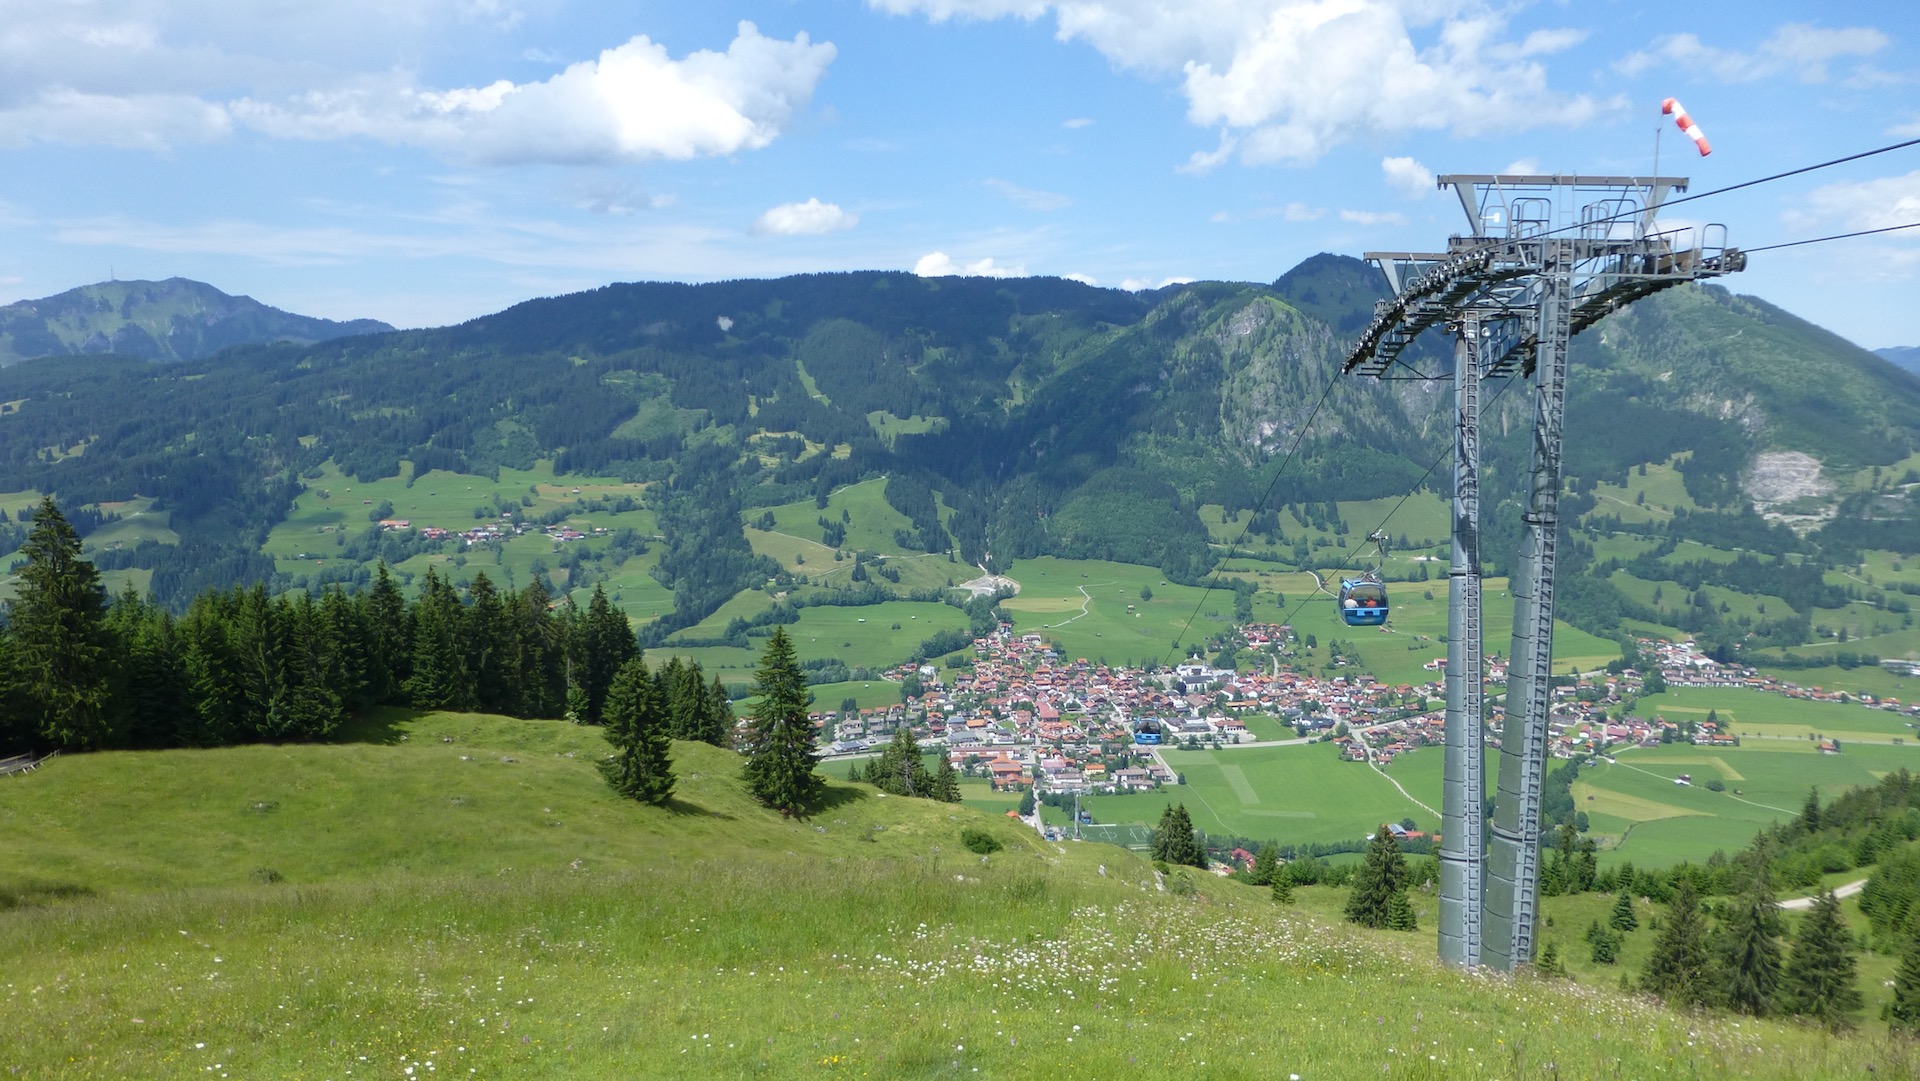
(1146, 732)
(1363, 602)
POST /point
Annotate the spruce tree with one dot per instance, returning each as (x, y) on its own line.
(1678, 969)
(439, 679)
(1381, 875)
(1186, 847)
(1750, 949)
(718, 721)
(1819, 980)
(1400, 913)
(1266, 864)
(1903, 1014)
(636, 724)
(946, 783)
(781, 749)
(1162, 848)
(900, 770)
(1282, 887)
(607, 643)
(389, 639)
(60, 638)
(1622, 917)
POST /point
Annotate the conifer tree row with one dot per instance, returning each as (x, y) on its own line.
(80, 672)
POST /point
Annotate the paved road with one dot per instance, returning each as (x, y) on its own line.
(1799, 904)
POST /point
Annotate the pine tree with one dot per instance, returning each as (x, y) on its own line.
(389, 639)
(1810, 811)
(439, 679)
(1606, 946)
(1750, 949)
(900, 770)
(1174, 841)
(1265, 865)
(1622, 917)
(1026, 804)
(1400, 913)
(1282, 887)
(1678, 969)
(60, 638)
(946, 783)
(636, 724)
(718, 721)
(1903, 1014)
(608, 643)
(781, 749)
(1819, 979)
(1549, 963)
(1383, 874)
(487, 636)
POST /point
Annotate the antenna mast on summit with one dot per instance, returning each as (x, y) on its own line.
(1544, 258)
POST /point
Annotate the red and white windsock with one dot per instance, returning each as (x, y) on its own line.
(1674, 109)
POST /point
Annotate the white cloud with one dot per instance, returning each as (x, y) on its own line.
(1291, 212)
(1523, 167)
(938, 264)
(134, 74)
(134, 121)
(1028, 198)
(1408, 177)
(1867, 204)
(1796, 49)
(1908, 130)
(810, 218)
(1077, 123)
(1135, 285)
(1083, 279)
(1369, 217)
(633, 103)
(1287, 80)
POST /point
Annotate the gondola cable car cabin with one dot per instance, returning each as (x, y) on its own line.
(1363, 601)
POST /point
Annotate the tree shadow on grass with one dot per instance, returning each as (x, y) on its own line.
(24, 893)
(682, 808)
(839, 796)
(384, 725)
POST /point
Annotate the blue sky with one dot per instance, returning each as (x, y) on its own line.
(427, 161)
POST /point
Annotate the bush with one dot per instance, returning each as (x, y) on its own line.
(979, 841)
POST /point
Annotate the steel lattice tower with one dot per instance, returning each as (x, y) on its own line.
(1544, 258)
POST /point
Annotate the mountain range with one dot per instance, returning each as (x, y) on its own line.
(1906, 356)
(171, 320)
(1011, 419)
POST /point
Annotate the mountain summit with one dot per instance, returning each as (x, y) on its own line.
(176, 319)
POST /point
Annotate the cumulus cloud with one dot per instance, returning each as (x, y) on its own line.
(135, 74)
(1135, 285)
(1028, 198)
(938, 264)
(1800, 50)
(1408, 177)
(632, 103)
(1083, 279)
(1077, 122)
(1287, 80)
(810, 218)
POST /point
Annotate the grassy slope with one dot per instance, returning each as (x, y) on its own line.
(710, 940)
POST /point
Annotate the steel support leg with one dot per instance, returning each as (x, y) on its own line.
(1463, 792)
(1514, 869)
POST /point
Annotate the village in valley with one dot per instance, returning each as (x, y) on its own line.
(1025, 718)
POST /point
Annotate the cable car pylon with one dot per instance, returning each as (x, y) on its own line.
(1544, 258)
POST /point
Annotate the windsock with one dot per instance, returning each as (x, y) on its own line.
(1680, 118)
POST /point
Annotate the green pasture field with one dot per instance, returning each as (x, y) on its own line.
(1640, 814)
(1291, 794)
(485, 907)
(1755, 606)
(138, 522)
(1621, 546)
(862, 636)
(1097, 623)
(1422, 519)
(1650, 498)
(871, 520)
(1748, 712)
(1866, 679)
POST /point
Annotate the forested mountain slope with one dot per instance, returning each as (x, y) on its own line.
(1011, 418)
(176, 319)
